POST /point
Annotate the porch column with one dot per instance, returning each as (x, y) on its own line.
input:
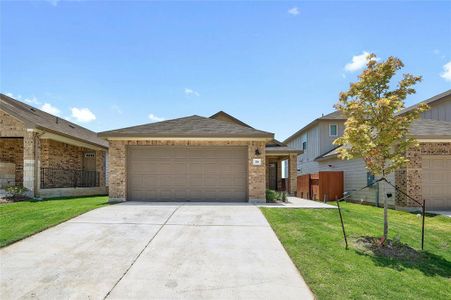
(292, 174)
(31, 162)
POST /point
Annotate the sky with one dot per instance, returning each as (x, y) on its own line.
(274, 65)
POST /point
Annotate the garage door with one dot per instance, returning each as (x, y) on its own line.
(437, 182)
(173, 173)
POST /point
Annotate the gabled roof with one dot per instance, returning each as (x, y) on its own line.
(275, 147)
(36, 118)
(424, 129)
(337, 115)
(427, 101)
(223, 116)
(192, 126)
(333, 116)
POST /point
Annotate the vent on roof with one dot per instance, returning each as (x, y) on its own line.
(32, 109)
(71, 126)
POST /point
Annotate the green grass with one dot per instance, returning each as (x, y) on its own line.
(314, 241)
(22, 219)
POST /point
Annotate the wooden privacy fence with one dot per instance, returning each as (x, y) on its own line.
(322, 186)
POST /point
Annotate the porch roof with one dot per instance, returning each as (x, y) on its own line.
(282, 150)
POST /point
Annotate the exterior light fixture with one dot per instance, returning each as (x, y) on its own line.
(257, 152)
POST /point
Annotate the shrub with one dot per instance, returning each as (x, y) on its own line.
(16, 192)
(273, 196)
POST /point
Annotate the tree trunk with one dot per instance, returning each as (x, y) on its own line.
(382, 189)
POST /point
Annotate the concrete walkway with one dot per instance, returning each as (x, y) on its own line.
(295, 202)
(446, 213)
(154, 251)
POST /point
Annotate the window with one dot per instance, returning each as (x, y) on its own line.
(333, 130)
(304, 141)
(369, 178)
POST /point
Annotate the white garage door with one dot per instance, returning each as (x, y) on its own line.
(176, 173)
(436, 186)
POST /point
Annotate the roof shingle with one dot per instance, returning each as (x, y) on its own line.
(39, 119)
(192, 126)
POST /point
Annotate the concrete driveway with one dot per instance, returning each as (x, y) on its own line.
(154, 251)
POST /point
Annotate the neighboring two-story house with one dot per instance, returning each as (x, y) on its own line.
(427, 175)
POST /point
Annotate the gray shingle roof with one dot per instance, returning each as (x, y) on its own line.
(36, 118)
(336, 115)
(282, 149)
(192, 126)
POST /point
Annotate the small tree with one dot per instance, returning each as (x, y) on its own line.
(374, 130)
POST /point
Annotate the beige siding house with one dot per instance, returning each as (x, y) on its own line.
(427, 176)
(195, 158)
(315, 139)
(48, 155)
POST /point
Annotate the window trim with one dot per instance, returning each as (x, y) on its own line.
(336, 130)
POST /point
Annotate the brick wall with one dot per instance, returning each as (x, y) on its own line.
(409, 179)
(10, 126)
(58, 155)
(118, 172)
(11, 151)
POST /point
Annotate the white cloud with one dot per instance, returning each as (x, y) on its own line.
(32, 100)
(83, 115)
(358, 62)
(446, 74)
(48, 108)
(155, 118)
(190, 92)
(294, 11)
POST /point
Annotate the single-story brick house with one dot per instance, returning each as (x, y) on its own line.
(196, 158)
(49, 155)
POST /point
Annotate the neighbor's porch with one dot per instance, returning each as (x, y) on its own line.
(48, 168)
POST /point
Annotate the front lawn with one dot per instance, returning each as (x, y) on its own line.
(314, 241)
(22, 219)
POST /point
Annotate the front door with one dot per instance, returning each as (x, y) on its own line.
(89, 161)
(273, 176)
(88, 176)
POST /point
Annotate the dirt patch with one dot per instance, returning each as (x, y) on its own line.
(390, 249)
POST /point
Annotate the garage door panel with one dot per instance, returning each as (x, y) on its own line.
(436, 181)
(174, 173)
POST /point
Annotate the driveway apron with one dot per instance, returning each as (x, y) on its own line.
(154, 251)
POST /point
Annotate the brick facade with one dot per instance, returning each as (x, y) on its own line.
(58, 155)
(11, 151)
(118, 157)
(10, 126)
(29, 153)
(409, 179)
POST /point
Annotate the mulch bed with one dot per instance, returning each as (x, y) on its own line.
(390, 249)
